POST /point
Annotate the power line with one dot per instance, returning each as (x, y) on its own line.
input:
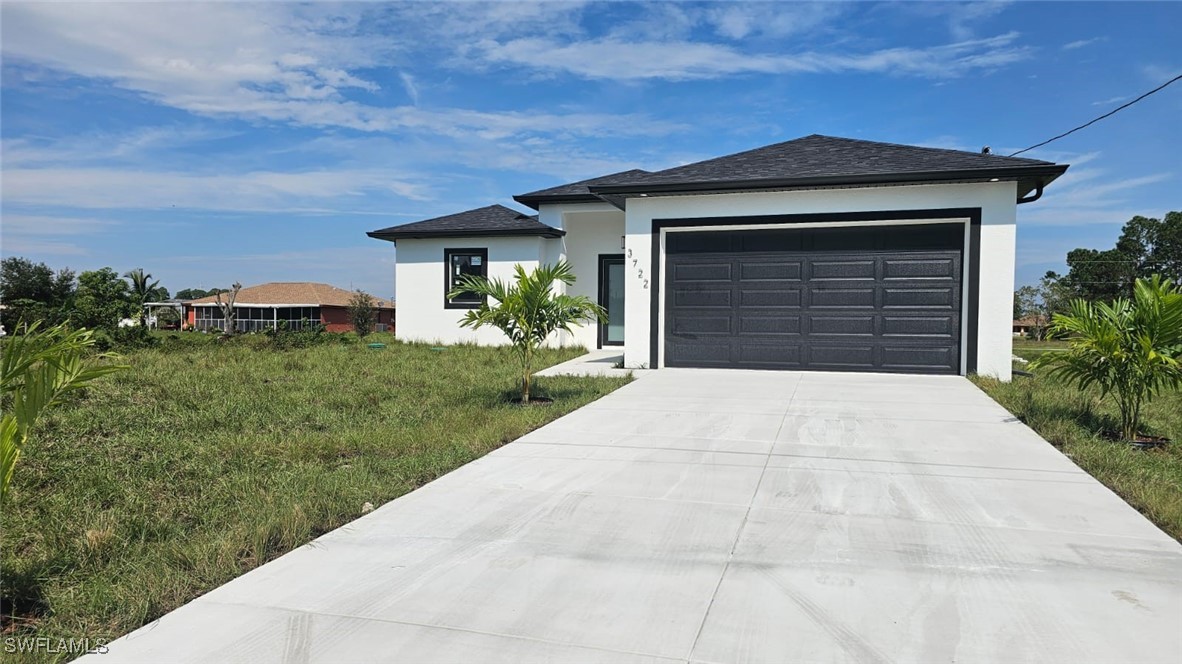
(1109, 113)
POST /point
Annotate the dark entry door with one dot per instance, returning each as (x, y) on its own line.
(611, 298)
(874, 298)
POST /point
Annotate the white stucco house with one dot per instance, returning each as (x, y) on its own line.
(818, 253)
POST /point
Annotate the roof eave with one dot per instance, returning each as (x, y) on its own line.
(1031, 174)
(535, 202)
(424, 235)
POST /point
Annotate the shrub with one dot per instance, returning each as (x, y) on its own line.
(528, 310)
(361, 313)
(309, 334)
(1130, 349)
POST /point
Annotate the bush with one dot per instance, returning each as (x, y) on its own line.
(283, 338)
(362, 313)
(1130, 349)
(124, 338)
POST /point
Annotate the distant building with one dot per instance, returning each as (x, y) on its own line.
(1024, 326)
(285, 303)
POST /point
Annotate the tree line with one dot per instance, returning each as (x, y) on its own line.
(96, 299)
(1146, 246)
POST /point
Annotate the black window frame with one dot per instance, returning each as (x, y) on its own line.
(447, 282)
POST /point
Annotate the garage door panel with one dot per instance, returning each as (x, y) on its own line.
(704, 324)
(923, 237)
(773, 325)
(920, 298)
(771, 271)
(779, 298)
(915, 358)
(843, 239)
(698, 354)
(703, 297)
(842, 270)
(768, 240)
(920, 326)
(688, 272)
(940, 269)
(855, 299)
(841, 298)
(844, 356)
(841, 326)
(780, 356)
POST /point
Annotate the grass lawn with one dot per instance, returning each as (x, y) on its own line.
(1074, 421)
(1029, 350)
(206, 460)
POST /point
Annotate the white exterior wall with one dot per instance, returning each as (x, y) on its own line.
(589, 233)
(419, 285)
(996, 286)
(592, 229)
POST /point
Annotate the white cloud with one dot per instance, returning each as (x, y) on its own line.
(1082, 197)
(1159, 73)
(773, 19)
(104, 147)
(1080, 43)
(48, 235)
(963, 18)
(23, 246)
(684, 60)
(187, 55)
(408, 84)
(1109, 101)
(276, 62)
(266, 191)
(41, 225)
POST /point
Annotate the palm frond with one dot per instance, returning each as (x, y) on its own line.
(1129, 349)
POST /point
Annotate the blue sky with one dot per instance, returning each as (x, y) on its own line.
(209, 143)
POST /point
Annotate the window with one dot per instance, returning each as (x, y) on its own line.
(460, 262)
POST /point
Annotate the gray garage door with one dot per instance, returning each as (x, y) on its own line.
(884, 298)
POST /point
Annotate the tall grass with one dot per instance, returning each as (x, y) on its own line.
(204, 461)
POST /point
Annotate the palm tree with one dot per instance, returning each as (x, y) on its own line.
(142, 289)
(527, 311)
(37, 370)
(1131, 349)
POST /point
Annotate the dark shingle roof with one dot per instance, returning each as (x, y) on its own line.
(576, 191)
(820, 159)
(493, 220)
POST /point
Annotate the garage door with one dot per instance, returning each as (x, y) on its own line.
(871, 298)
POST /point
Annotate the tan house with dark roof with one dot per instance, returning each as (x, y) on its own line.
(291, 303)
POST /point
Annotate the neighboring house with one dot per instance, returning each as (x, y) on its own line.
(818, 253)
(1023, 326)
(268, 306)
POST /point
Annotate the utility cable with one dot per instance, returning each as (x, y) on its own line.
(1109, 113)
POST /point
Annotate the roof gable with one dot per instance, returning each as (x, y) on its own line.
(491, 220)
(576, 191)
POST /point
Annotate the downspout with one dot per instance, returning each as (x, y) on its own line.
(1034, 197)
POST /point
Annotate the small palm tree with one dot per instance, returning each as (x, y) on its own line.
(528, 311)
(1130, 349)
(37, 369)
(142, 290)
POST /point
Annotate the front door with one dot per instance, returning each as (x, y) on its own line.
(611, 298)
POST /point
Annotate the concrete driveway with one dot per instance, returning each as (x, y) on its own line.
(723, 516)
